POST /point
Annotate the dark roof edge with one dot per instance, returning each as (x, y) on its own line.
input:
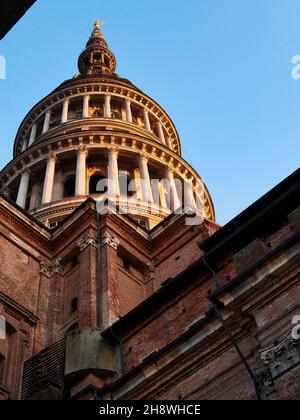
(176, 283)
(25, 213)
(197, 326)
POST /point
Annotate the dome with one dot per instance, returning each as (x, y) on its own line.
(97, 135)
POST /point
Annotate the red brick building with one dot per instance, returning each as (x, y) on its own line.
(137, 300)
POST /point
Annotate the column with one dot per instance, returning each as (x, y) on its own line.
(169, 143)
(128, 111)
(107, 107)
(113, 172)
(65, 111)
(34, 196)
(161, 134)
(86, 106)
(80, 187)
(146, 119)
(49, 180)
(162, 195)
(32, 135)
(24, 146)
(189, 199)
(138, 184)
(146, 182)
(175, 202)
(23, 189)
(47, 122)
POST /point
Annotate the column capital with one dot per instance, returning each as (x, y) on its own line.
(143, 156)
(26, 171)
(52, 268)
(82, 150)
(52, 157)
(87, 240)
(5, 191)
(66, 99)
(188, 181)
(110, 240)
(169, 167)
(112, 150)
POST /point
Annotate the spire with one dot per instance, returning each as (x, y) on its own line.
(96, 59)
(97, 35)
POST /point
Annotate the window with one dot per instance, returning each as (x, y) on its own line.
(74, 305)
(126, 184)
(143, 223)
(116, 114)
(74, 260)
(53, 225)
(69, 187)
(126, 264)
(2, 361)
(96, 186)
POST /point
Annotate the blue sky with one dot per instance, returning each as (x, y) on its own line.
(221, 69)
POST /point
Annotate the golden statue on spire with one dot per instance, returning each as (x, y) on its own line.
(98, 24)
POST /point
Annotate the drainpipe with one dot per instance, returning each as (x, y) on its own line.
(99, 292)
(216, 305)
(121, 351)
(99, 280)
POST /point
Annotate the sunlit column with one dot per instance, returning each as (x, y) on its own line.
(138, 184)
(128, 111)
(113, 172)
(169, 143)
(34, 196)
(24, 146)
(162, 195)
(107, 107)
(145, 178)
(189, 199)
(173, 190)
(65, 111)
(161, 133)
(80, 188)
(49, 180)
(32, 135)
(47, 122)
(23, 189)
(86, 106)
(146, 119)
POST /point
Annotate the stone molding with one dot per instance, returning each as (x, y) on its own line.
(87, 240)
(49, 270)
(110, 240)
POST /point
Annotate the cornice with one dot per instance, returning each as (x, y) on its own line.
(128, 143)
(31, 232)
(18, 309)
(90, 86)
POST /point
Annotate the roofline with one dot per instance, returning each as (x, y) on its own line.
(222, 238)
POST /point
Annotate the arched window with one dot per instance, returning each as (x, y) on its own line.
(69, 187)
(96, 184)
(74, 305)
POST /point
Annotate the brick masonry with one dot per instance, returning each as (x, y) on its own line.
(153, 300)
